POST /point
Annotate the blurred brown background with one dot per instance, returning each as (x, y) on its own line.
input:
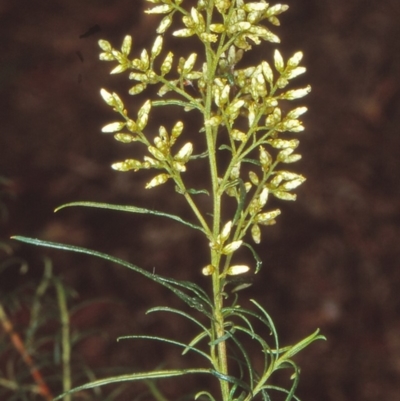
(332, 261)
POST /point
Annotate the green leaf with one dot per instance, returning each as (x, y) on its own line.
(281, 390)
(130, 209)
(270, 323)
(241, 200)
(197, 191)
(299, 346)
(166, 340)
(199, 302)
(231, 379)
(201, 298)
(245, 356)
(196, 340)
(255, 256)
(157, 374)
(204, 393)
(179, 312)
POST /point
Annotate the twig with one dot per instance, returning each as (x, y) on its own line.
(19, 346)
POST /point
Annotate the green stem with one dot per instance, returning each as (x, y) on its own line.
(189, 200)
(65, 340)
(211, 134)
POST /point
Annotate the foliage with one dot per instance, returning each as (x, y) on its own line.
(245, 114)
(37, 336)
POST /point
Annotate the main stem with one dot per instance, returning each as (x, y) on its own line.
(221, 362)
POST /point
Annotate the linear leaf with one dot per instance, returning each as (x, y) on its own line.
(130, 209)
(299, 346)
(178, 312)
(166, 340)
(157, 374)
(169, 283)
(195, 340)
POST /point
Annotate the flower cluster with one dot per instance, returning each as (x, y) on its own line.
(242, 107)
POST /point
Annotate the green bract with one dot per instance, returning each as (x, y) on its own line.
(245, 113)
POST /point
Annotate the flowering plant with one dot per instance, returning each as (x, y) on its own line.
(245, 113)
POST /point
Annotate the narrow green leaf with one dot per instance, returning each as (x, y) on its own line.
(193, 302)
(255, 256)
(245, 356)
(130, 209)
(166, 340)
(204, 393)
(196, 340)
(197, 290)
(281, 390)
(178, 312)
(241, 201)
(265, 347)
(299, 346)
(270, 323)
(198, 191)
(231, 379)
(157, 374)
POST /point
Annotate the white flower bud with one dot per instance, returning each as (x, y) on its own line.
(105, 45)
(126, 165)
(143, 115)
(164, 24)
(232, 247)
(283, 143)
(157, 46)
(283, 154)
(264, 218)
(226, 231)
(113, 127)
(255, 7)
(163, 9)
(292, 158)
(276, 9)
(267, 71)
(156, 153)
(184, 33)
(285, 195)
(137, 89)
(253, 178)
(296, 113)
(138, 76)
(238, 135)
(237, 269)
(213, 121)
(278, 61)
(189, 63)
(126, 45)
(289, 185)
(295, 72)
(108, 97)
(157, 180)
(208, 37)
(264, 197)
(208, 270)
(167, 64)
(125, 138)
(297, 93)
(217, 28)
(256, 233)
(239, 27)
(294, 61)
(184, 153)
(177, 129)
(144, 58)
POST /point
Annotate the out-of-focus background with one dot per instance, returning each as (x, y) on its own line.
(332, 260)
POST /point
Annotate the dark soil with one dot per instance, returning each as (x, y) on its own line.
(332, 260)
